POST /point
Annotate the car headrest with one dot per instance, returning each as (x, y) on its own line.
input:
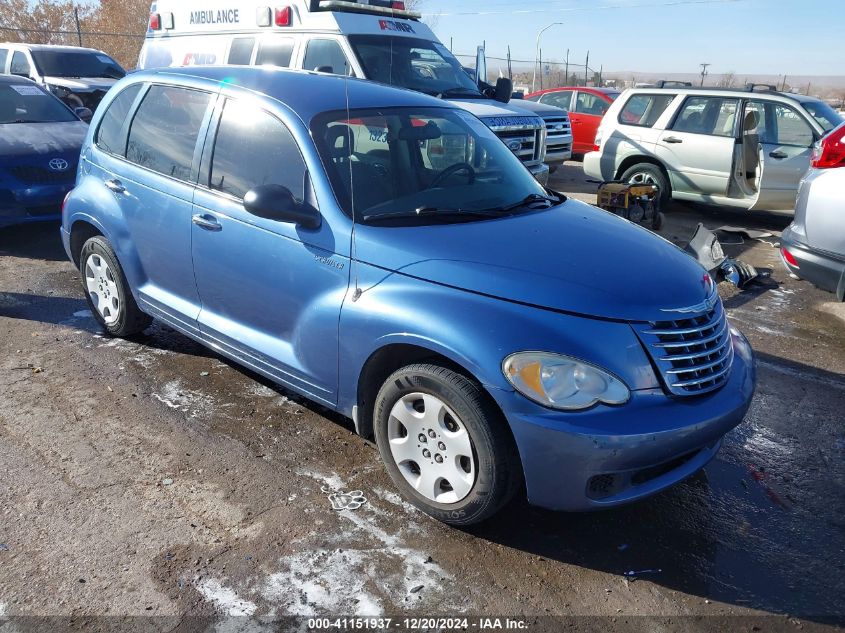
(341, 141)
(751, 120)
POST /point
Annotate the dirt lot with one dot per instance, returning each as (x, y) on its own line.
(153, 478)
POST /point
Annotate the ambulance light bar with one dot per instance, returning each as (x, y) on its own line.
(268, 16)
(385, 7)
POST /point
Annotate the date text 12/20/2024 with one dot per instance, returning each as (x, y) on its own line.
(416, 624)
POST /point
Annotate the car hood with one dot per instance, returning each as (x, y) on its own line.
(81, 84)
(483, 108)
(540, 109)
(18, 140)
(573, 258)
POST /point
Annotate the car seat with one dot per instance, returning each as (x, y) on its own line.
(370, 187)
(751, 147)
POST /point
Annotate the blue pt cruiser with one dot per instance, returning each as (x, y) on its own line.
(384, 254)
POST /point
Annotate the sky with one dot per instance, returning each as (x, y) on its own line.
(792, 37)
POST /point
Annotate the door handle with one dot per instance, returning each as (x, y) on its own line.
(207, 222)
(672, 139)
(778, 154)
(115, 185)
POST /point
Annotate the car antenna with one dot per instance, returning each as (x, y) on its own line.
(356, 294)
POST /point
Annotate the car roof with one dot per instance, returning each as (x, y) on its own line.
(604, 91)
(51, 47)
(306, 93)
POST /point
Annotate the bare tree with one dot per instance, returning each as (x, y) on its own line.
(128, 17)
(41, 22)
(727, 80)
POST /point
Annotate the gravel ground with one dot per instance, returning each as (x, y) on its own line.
(153, 478)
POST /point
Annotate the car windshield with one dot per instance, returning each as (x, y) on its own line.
(824, 115)
(76, 64)
(28, 103)
(422, 164)
(413, 63)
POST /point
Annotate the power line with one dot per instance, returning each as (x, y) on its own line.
(671, 3)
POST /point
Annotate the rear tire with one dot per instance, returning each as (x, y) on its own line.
(107, 291)
(445, 444)
(650, 174)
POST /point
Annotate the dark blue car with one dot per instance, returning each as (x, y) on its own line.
(40, 140)
(385, 254)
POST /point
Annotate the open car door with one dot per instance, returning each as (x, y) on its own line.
(785, 144)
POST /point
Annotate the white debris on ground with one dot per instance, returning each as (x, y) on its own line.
(225, 599)
(193, 403)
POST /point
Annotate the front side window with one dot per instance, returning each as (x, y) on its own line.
(645, 109)
(558, 99)
(588, 103)
(326, 56)
(108, 134)
(412, 63)
(76, 64)
(20, 65)
(28, 103)
(420, 164)
(240, 54)
(715, 116)
(254, 148)
(165, 129)
(276, 51)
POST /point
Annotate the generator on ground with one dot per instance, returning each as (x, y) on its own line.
(637, 203)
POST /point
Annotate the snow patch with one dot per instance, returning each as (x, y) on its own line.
(331, 481)
(193, 403)
(2, 609)
(225, 599)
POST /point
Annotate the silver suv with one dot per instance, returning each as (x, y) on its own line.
(741, 148)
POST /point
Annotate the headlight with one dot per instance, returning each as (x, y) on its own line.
(561, 382)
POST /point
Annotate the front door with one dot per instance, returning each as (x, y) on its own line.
(698, 146)
(271, 292)
(786, 142)
(588, 111)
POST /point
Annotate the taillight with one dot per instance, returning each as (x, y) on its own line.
(789, 257)
(155, 21)
(830, 151)
(283, 16)
(597, 142)
(64, 202)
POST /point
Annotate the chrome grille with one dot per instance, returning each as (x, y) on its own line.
(528, 145)
(694, 354)
(559, 134)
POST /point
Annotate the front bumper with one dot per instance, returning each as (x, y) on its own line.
(37, 203)
(593, 167)
(824, 270)
(609, 456)
(540, 173)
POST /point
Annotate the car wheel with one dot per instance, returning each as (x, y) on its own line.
(649, 174)
(107, 291)
(445, 444)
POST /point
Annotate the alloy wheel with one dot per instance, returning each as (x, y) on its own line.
(102, 288)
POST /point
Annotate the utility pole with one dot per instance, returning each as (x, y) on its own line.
(704, 72)
(566, 79)
(587, 68)
(510, 69)
(783, 84)
(537, 54)
(78, 27)
(540, 55)
(601, 76)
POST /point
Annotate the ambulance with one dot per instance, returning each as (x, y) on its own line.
(379, 40)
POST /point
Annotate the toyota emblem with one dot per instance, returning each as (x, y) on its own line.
(58, 164)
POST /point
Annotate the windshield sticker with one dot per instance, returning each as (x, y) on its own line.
(393, 25)
(28, 91)
(105, 59)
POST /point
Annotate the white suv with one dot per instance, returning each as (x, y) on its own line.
(740, 148)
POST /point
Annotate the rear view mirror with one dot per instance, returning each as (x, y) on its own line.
(504, 89)
(84, 113)
(275, 202)
(427, 132)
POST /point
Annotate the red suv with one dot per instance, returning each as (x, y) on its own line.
(586, 108)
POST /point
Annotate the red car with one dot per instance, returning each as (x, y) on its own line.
(586, 107)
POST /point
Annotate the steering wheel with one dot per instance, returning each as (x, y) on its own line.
(453, 169)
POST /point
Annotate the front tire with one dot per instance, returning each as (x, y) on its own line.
(649, 174)
(445, 444)
(107, 290)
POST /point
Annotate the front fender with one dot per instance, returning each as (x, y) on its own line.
(474, 331)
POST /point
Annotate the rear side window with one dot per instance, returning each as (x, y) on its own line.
(254, 148)
(4, 55)
(715, 116)
(108, 134)
(164, 133)
(275, 52)
(644, 109)
(588, 103)
(326, 56)
(561, 99)
(20, 65)
(241, 52)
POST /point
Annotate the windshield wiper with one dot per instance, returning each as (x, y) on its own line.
(460, 92)
(531, 198)
(439, 212)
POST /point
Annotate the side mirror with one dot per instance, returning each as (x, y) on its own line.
(84, 113)
(504, 89)
(275, 202)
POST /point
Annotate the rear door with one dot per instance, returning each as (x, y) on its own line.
(786, 142)
(697, 147)
(271, 291)
(588, 111)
